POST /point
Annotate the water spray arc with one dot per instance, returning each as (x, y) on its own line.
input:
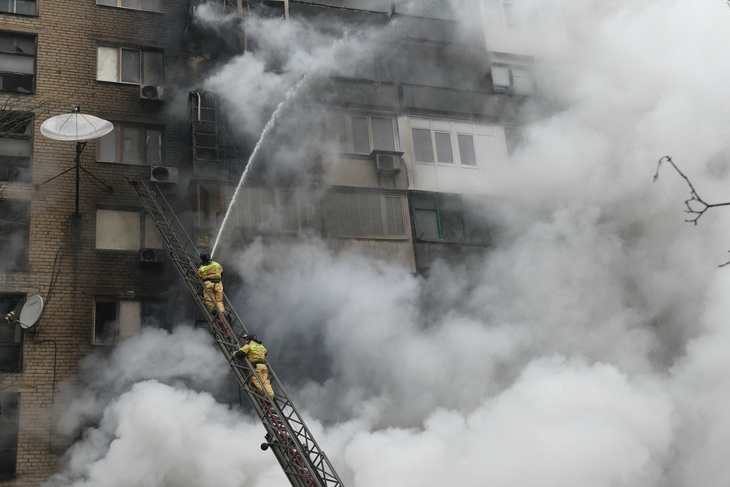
(290, 95)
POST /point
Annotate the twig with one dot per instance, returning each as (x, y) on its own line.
(694, 197)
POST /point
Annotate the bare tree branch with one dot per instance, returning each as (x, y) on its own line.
(695, 204)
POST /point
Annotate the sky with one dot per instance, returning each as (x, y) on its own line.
(588, 347)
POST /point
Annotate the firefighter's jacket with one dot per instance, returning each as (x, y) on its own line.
(211, 271)
(255, 352)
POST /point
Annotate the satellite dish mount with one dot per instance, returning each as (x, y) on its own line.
(78, 128)
(29, 314)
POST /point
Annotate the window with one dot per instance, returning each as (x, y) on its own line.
(126, 230)
(149, 5)
(512, 14)
(9, 402)
(15, 145)
(11, 337)
(511, 79)
(210, 204)
(129, 65)
(116, 319)
(426, 143)
(362, 134)
(17, 62)
(438, 217)
(364, 215)
(14, 232)
(131, 144)
(273, 210)
(23, 7)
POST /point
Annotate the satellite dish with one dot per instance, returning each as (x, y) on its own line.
(31, 312)
(75, 127)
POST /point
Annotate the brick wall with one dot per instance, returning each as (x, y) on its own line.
(61, 244)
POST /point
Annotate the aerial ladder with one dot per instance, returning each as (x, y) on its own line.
(302, 460)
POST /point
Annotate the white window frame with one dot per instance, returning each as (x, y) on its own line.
(118, 229)
(149, 145)
(440, 128)
(110, 65)
(156, 5)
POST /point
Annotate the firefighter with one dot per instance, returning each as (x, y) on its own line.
(210, 272)
(256, 354)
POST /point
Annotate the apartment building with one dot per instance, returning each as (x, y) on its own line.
(405, 140)
(82, 243)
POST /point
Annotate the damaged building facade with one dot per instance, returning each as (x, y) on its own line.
(388, 159)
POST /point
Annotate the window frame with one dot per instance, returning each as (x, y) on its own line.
(18, 222)
(149, 236)
(386, 223)
(436, 156)
(145, 73)
(444, 210)
(276, 211)
(9, 171)
(348, 136)
(9, 427)
(119, 4)
(143, 317)
(118, 135)
(12, 302)
(14, 55)
(15, 10)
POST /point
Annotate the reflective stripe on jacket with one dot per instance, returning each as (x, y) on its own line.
(210, 271)
(255, 352)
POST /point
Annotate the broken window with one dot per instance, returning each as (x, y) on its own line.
(15, 145)
(129, 65)
(131, 144)
(439, 217)
(9, 402)
(17, 62)
(116, 319)
(14, 232)
(126, 230)
(11, 337)
(350, 214)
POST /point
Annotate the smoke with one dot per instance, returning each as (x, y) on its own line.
(586, 348)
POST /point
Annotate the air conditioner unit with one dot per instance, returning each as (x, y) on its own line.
(151, 256)
(387, 163)
(163, 174)
(151, 92)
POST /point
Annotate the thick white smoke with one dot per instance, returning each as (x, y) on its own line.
(587, 348)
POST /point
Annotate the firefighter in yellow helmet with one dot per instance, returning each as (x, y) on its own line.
(256, 354)
(210, 272)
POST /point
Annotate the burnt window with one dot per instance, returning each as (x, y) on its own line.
(9, 402)
(116, 319)
(439, 217)
(15, 145)
(11, 337)
(14, 231)
(355, 214)
(17, 62)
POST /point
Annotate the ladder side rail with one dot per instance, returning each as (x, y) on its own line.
(297, 447)
(315, 455)
(279, 438)
(294, 423)
(165, 219)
